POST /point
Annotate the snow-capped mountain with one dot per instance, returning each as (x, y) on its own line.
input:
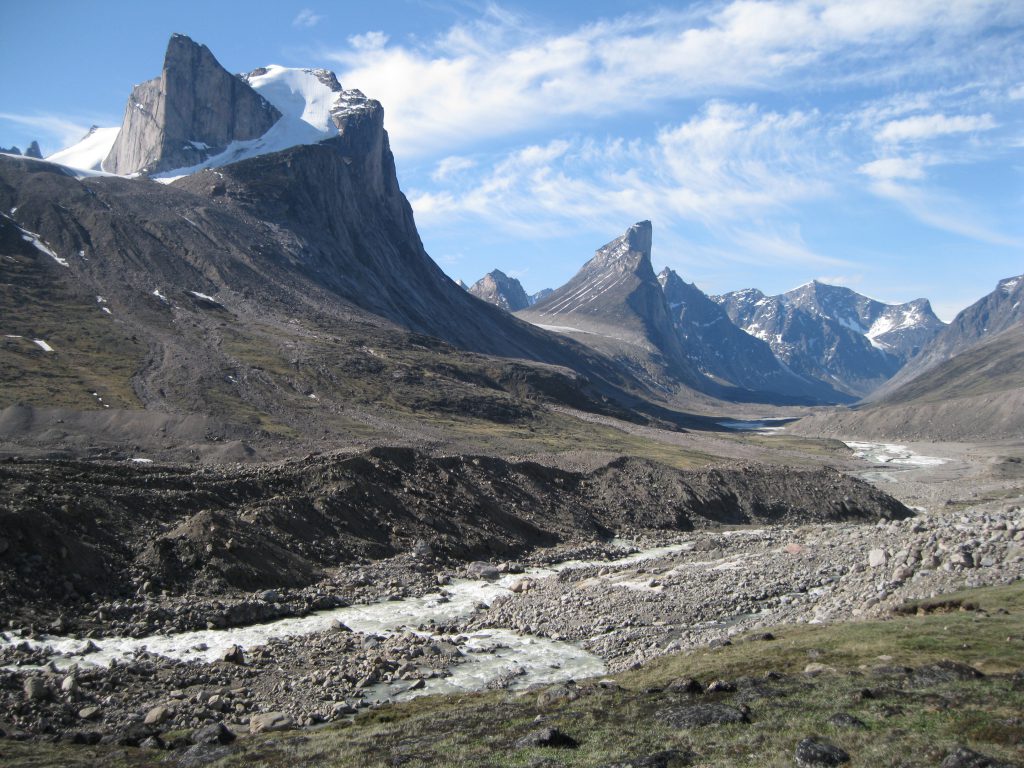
(994, 313)
(727, 354)
(197, 115)
(834, 334)
(502, 291)
(246, 290)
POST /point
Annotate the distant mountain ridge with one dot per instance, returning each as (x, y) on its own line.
(729, 355)
(992, 314)
(834, 334)
(502, 291)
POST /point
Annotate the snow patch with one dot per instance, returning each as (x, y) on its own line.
(89, 153)
(140, 460)
(308, 106)
(33, 238)
(42, 345)
(156, 292)
(890, 453)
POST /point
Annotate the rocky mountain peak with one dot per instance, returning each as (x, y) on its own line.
(193, 111)
(502, 291)
(630, 251)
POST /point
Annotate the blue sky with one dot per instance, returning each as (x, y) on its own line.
(870, 143)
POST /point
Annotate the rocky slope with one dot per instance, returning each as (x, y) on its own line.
(974, 395)
(193, 111)
(71, 530)
(729, 355)
(833, 334)
(992, 314)
(502, 291)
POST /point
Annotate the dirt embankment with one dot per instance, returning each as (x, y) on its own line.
(75, 532)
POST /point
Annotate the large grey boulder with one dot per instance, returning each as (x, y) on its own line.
(191, 112)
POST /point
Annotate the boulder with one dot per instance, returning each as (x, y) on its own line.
(547, 737)
(482, 570)
(270, 721)
(877, 558)
(215, 733)
(811, 753)
(701, 715)
(157, 715)
(962, 757)
(35, 689)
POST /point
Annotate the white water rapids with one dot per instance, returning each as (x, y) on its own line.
(489, 654)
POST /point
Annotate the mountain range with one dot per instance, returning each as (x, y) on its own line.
(267, 299)
(967, 383)
(815, 344)
(235, 265)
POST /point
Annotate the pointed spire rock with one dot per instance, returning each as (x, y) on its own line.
(34, 151)
(191, 112)
(616, 305)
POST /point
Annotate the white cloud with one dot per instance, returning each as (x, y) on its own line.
(726, 165)
(307, 18)
(369, 41)
(498, 77)
(60, 130)
(1016, 94)
(450, 166)
(923, 127)
(895, 168)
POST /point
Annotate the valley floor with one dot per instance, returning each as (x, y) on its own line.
(773, 600)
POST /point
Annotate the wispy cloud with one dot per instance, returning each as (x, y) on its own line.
(944, 211)
(728, 165)
(307, 18)
(450, 166)
(923, 127)
(498, 77)
(895, 168)
(55, 129)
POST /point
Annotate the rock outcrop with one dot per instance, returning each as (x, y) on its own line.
(502, 291)
(191, 112)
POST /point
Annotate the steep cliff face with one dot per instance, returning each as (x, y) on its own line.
(193, 111)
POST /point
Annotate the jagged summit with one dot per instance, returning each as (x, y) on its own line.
(631, 250)
(834, 334)
(502, 291)
(727, 354)
(191, 112)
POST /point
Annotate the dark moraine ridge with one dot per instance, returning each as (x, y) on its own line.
(74, 531)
